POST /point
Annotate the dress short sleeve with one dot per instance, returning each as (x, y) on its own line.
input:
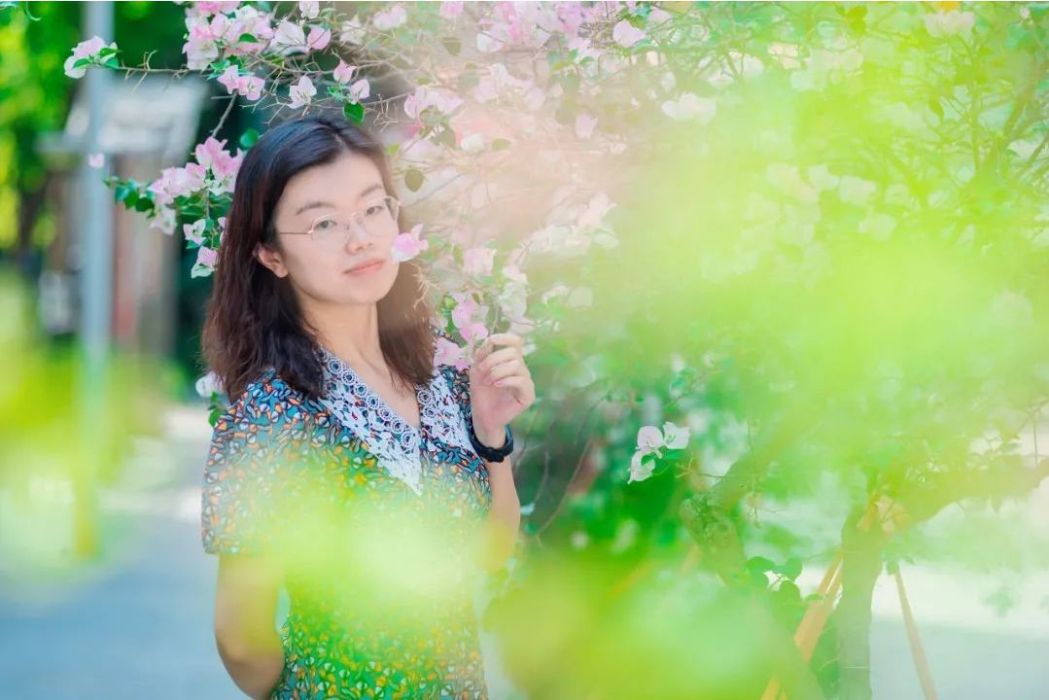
(242, 476)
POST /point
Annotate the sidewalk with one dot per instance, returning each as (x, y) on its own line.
(137, 625)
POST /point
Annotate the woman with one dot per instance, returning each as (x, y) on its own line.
(348, 469)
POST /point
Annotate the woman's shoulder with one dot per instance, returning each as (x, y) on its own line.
(267, 408)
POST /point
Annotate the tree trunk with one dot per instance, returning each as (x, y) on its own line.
(861, 566)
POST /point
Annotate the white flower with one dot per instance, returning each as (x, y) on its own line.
(388, 19)
(478, 261)
(879, 226)
(302, 93)
(351, 31)
(309, 9)
(650, 445)
(690, 106)
(626, 34)
(360, 90)
(941, 24)
(855, 190)
(208, 384)
(290, 37)
(474, 143)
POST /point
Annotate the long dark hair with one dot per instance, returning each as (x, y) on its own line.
(253, 318)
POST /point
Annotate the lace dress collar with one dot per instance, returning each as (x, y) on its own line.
(400, 447)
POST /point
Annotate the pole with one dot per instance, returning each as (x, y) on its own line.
(95, 235)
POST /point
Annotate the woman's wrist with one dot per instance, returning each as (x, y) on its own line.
(491, 437)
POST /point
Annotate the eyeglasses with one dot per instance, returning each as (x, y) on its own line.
(333, 230)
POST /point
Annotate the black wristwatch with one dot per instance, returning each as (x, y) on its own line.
(490, 454)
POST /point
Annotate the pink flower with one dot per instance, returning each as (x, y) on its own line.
(343, 72)
(309, 10)
(444, 101)
(464, 312)
(194, 233)
(177, 182)
(302, 93)
(407, 245)
(318, 39)
(96, 160)
(229, 79)
(211, 8)
(248, 85)
(448, 353)
(657, 16)
(249, 20)
(584, 125)
(395, 16)
(626, 34)
(478, 261)
(450, 9)
(251, 87)
(88, 49)
(211, 154)
(473, 332)
(205, 264)
(202, 45)
(514, 274)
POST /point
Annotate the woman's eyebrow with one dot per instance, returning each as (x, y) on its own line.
(369, 190)
(318, 204)
(314, 205)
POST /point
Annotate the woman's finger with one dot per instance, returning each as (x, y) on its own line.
(507, 368)
(497, 357)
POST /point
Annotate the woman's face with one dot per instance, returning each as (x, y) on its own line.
(320, 266)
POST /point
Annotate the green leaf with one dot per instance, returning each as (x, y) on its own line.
(354, 111)
(452, 45)
(248, 138)
(446, 137)
(760, 564)
(790, 569)
(413, 179)
(247, 38)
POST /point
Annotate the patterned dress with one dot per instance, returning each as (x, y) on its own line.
(374, 522)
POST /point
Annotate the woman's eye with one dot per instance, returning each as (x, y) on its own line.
(374, 210)
(324, 225)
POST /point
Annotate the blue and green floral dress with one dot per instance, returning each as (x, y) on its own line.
(375, 523)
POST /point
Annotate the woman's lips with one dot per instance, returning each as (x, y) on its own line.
(366, 269)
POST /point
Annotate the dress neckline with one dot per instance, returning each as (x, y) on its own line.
(341, 369)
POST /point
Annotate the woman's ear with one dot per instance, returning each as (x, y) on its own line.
(271, 259)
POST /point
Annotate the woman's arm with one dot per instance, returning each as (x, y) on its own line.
(245, 626)
(504, 518)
